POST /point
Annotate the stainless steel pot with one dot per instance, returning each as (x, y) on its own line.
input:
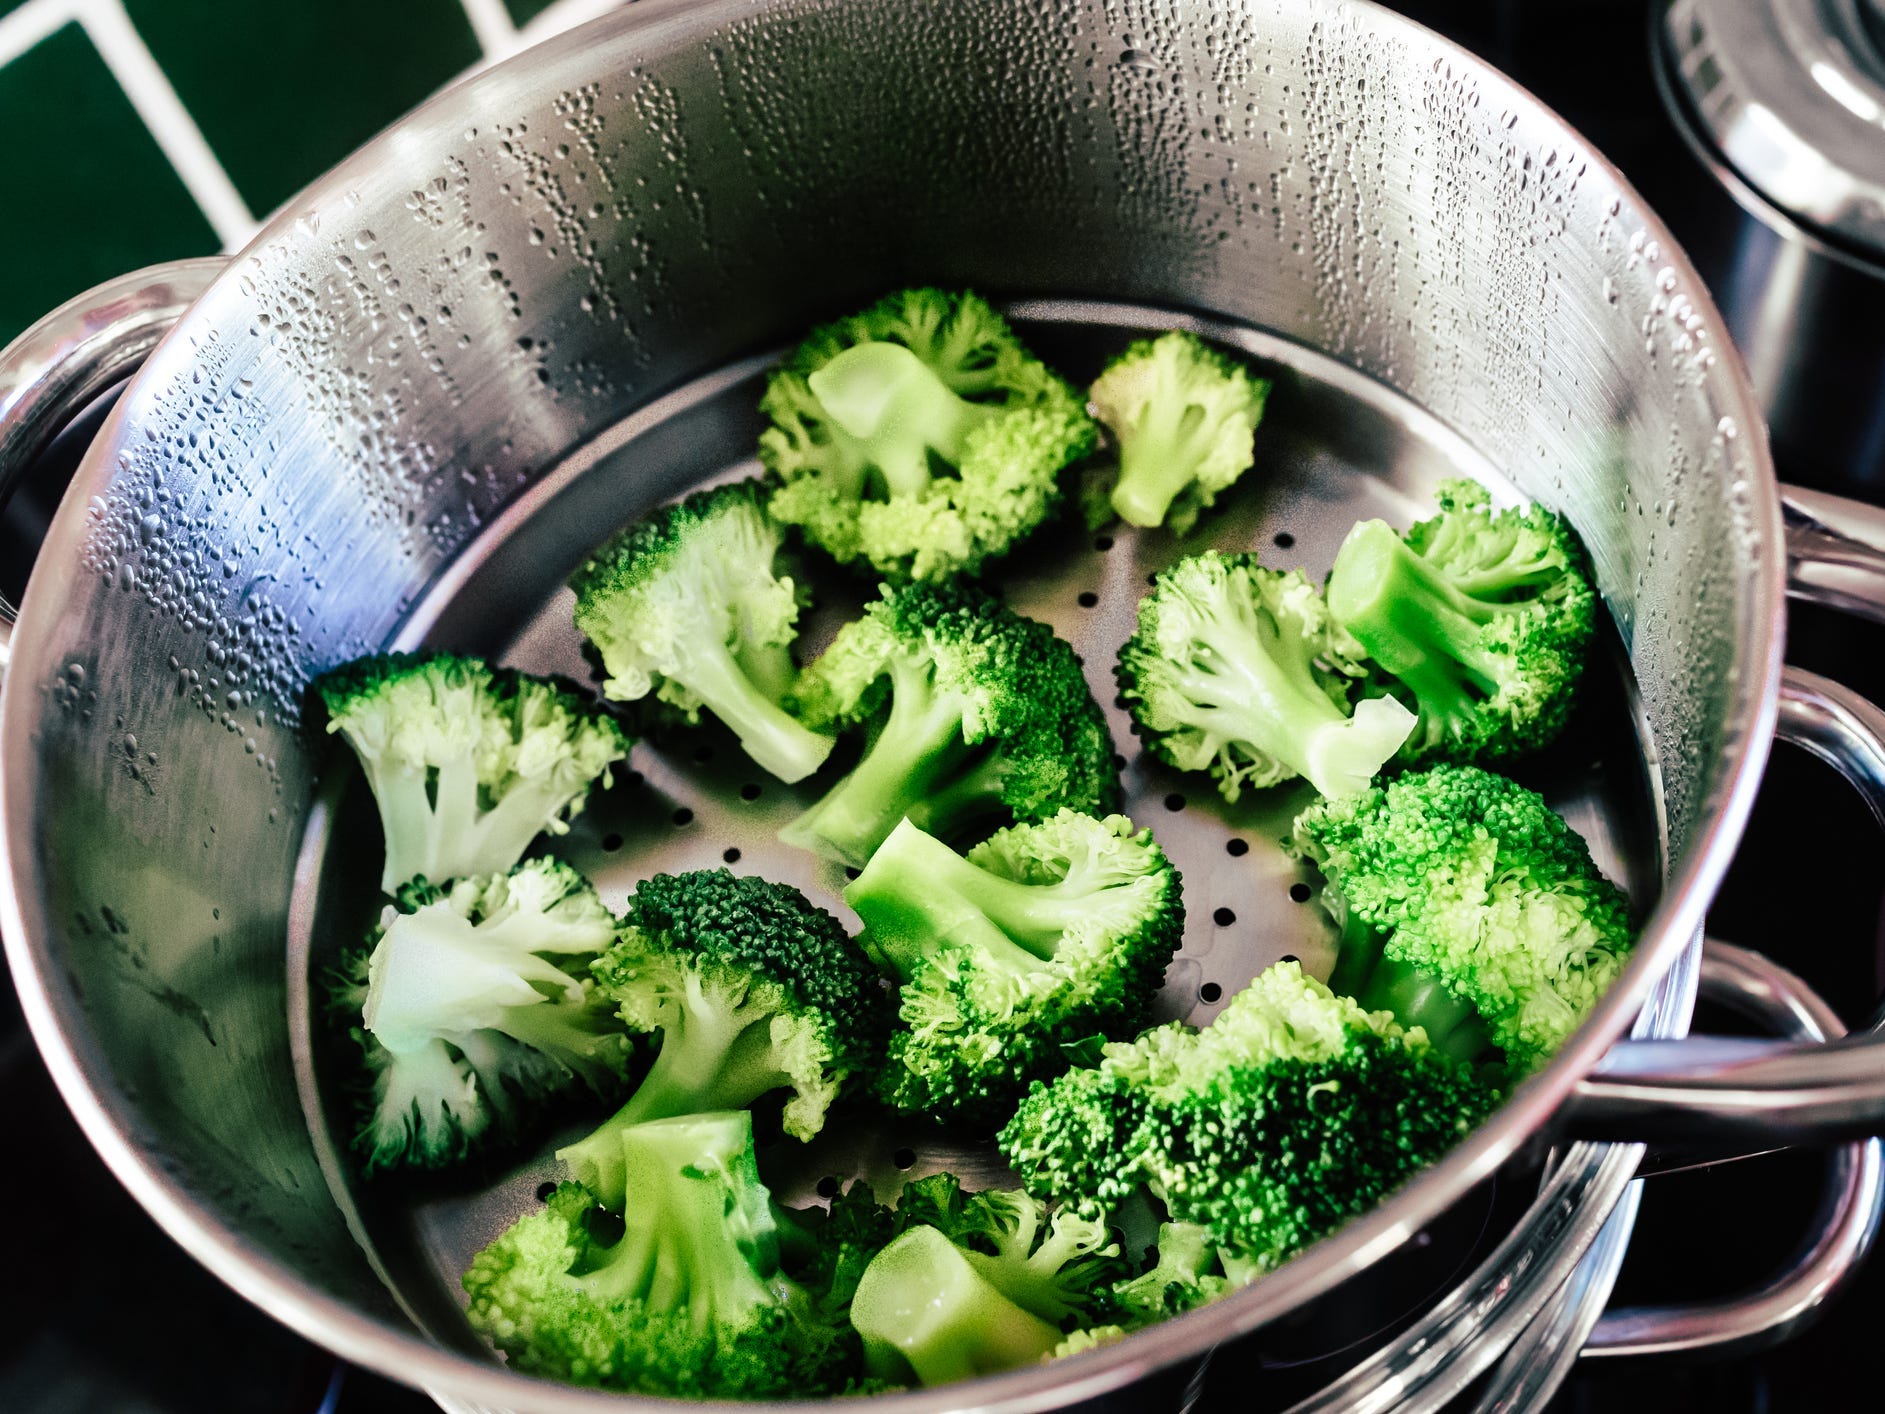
(407, 362)
(1783, 102)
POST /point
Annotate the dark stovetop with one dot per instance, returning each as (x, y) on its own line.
(120, 1321)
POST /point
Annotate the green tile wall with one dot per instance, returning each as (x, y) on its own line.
(283, 89)
(522, 11)
(89, 195)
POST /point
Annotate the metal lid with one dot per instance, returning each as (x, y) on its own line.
(1793, 94)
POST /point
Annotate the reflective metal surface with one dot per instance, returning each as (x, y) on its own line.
(1803, 299)
(77, 351)
(1841, 1232)
(544, 250)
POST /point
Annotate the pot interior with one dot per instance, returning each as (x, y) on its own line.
(485, 308)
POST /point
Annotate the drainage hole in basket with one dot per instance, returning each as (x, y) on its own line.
(827, 1187)
(1223, 918)
(683, 816)
(731, 854)
(750, 791)
(1174, 801)
(1236, 848)
(1289, 957)
(1087, 599)
(1210, 992)
(1103, 543)
(545, 1191)
(1300, 892)
(702, 755)
(1284, 540)
(611, 842)
(904, 1158)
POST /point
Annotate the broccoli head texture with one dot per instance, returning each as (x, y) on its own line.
(681, 1294)
(752, 988)
(1182, 414)
(978, 712)
(1187, 1274)
(1293, 1112)
(687, 604)
(475, 1009)
(1457, 887)
(467, 763)
(1483, 619)
(1044, 937)
(919, 438)
(1238, 671)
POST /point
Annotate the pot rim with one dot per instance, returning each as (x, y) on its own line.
(404, 1354)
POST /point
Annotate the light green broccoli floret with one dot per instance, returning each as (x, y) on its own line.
(475, 1011)
(1481, 619)
(1238, 671)
(687, 604)
(1183, 414)
(1045, 937)
(468, 764)
(919, 437)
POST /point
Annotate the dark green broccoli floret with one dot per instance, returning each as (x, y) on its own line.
(468, 764)
(978, 1282)
(988, 713)
(1468, 905)
(1046, 936)
(680, 1295)
(475, 1009)
(919, 437)
(752, 987)
(1484, 620)
(686, 604)
(1183, 414)
(1237, 670)
(1293, 1112)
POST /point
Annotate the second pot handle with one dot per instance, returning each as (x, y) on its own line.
(76, 352)
(1842, 1230)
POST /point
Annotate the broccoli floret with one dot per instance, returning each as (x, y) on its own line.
(1237, 670)
(988, 713)
(679, 1295)
(1290, 1114)
(475, 1009)
(1187, 1275)
(686, 604)
(1045, 936)
(919, 437)
(1459, 892)
(1183, 414)
(1483, 619)
(468, 763)
(752, 987)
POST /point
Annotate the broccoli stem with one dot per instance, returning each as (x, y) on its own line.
(917, 892)
(922, 1310)
(1416, 997)
(893, 403)
(1158, 459)
(1415, 622)
(776, 740)
(907, 771)
(700, 1234)
(716, 1056)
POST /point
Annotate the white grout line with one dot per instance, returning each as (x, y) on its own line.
(169, 121)
(32, 22)
(566, 14)
(491, 22)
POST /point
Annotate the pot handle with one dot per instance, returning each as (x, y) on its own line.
(1842, 1229)
(84, 346)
